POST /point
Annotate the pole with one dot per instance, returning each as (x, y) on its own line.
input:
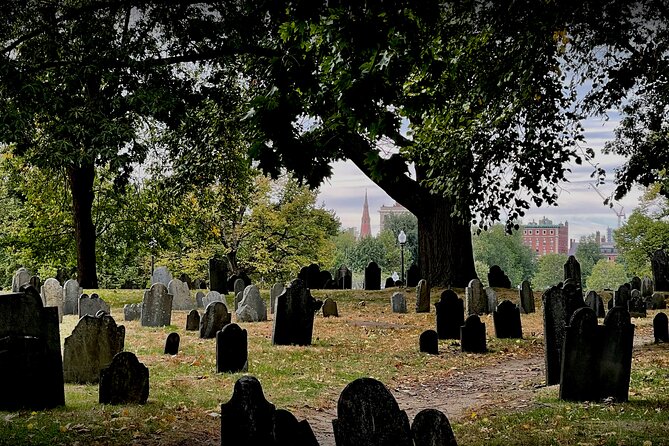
(402, 257)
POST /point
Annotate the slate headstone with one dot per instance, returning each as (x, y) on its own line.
(91, 305)
(294, 315)
(616, 355)
(199, 296)
(373, 277)
(398, 303)
(276, 289)
(526, 297)
(238, 298)
(248, 418)
(35, 282)
(572, 270)
(580, 357)
(497, 278)
(472, 335)
(413, 275)
(239, 286)
(506, 319)
(422, 297)
(476, 301)
(215, 317)
(213, 296)
(661, 328)
(622, 296)
(156, 306)
(657, 301)
(430, 427)
(635, 283)
(21, 277)
(555, 322)
(330, 308)
(193, 321)
(450, 315)
(636, 305)
(646, 286)
(132, 312)
(125, 381)
(252, 307)
(52, 295)
(180, 295)
(218, 275)
(172, 344)
(289, 432)
(161, 275)
(491, 298)
(428, 342)
(660, 265)
(231, 349)
(594, 301)
(185, 278)
(390, 283)
(71, 293)
(344, 278)
(199, 284)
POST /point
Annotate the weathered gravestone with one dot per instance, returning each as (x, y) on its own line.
(428, 342)
(526, 296)
(398, 303)
(646, 286)
(218, 275)
(199, 296)
(172, 344)
(31, 366)
(660, 266)
(498, 279)
(185, 278)
(472, 335)
(156, 306)
(367, 414)
(635, 283)
(231, 349)
(422, 297)
(213, 296)
(372, 276)
(276, 289)
(193, 321)
(132, 312)
(389, 283)
(239, 286)
(161, 275)
(579, 363)
(594, 301)
(450, 315)
(215, 317)
(636, 305)
(343, 278)
(661, 328)
(330, 308)
(238, 298)
(252, 307)
(476, 301)
(491, 298)
(91, 305)
(622, 296)
(289, 432)
(572, 270)
(35, 282)
(199, 284)
(52, 296)
(430, 427)
(71, 293)
(615, 364)
(125, 381)
(294, 315)
(413, 275)
(506, 319)
(21, 277)
(91, 347)
(657, 301)
(180, 295)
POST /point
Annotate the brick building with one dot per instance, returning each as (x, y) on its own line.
(546, 237)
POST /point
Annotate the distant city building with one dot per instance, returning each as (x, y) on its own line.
(386, 211)
(607, 247)
(545, 237)
(365, 226)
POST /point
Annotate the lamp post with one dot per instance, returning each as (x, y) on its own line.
(402, 238)
(152, 245)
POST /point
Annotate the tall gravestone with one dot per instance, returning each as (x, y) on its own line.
(616, 355)
(124, 381)
(476, 301)
(276, 289)
(491, 298)
(193, 321)
(413, 275)
(252, 307)
(422, 297)
(526, 297)
(180, 295)
(52, 296)
(555, 322)
(497, 278)
(231, 349)
(506, 319)
(473, 336)
(660, 265)
(580, 362)
(367, 414)
(21, 277)
(156, 306)
(91, 305)
(572, 270)
(430, 427)
(215, 317)
(294, 315)
(218, 275)
(372, 276)
(661, 328)
(594, 301)
(71, 293)
(162, 275)
(450, 315)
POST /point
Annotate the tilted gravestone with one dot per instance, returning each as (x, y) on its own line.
(413, 275)
(238, 298)
(526, 297)
(372, 276)
(231, 349)
(579, 363)
(572, 270)
(491, 298)
(91, 305)
(635, 283)
(422, 297)
(71, 293)
(294, 315)
(193, 321)
(506, 319)
(476, 301)
(390, 283)
(430, 427)
(660, 266)
(661, 328)
(172, 344)
(276, 289)
(21, 277)
(31, 366)
(213, 296)
(218, 275)
(215, 317)
(330, 308)
(622, 296)
(91, 347)
(367, 414)
(472, 335)
(161, 275)
(646, 286)
(594, 301)
(343, 278)
(132, 312)
(450, 315)
(180, 295)
(52, 296)
(156, 306)
(497, 278)
(398, 303)
(252, 307)
(239, 286)
(428, 342)
(125, 381)
(199, 296)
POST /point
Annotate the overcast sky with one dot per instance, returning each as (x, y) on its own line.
(578, 204)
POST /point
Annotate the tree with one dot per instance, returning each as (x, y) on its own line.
(408, 223)
(606, 275)
(550, 270)
(638, 239)
(496, 247)
(587, 254)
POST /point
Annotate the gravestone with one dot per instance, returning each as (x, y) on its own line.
(239, 286)
(326, 280)
(430, 427)
(343, 278)
(21, 277)
(422, 297)
(248, 418)
(172, 344)
(156, 306)
(52, 296)
(646, 286)
(215, 317)
(199, 284)
(314, 277)
(231, 349)
(390, 283)
(367, 414)
(476, 301)
(572, 270)
(498, 279)
(635, 283)
(616, 355)
(125, 381)
(35, 282)
(580, 357)
(491, 298)
(71, 293)
(218, 275)
(31, 366)
(573, 299)
(555, 320)
(594, 301)
(91, 305)
(398, 303)
(330, 308)
(276, 289)
(185, 278)
(657, 301)
(180, 295)
(450, 315)
(428, 342)
(91, 347)
(211, 297)
(622, 296)
(472, 335)
(161, 275)
(252, 307)
(289, 432)
(193, 321)
(413, 275)
(636, 305)
(660, 266)
(132, 312)
(506, 319)
(661, 328)
(199, 296)
(294, 315)
(526, 297)
(373, 277)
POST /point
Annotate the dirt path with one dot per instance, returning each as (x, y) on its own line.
(509, 384)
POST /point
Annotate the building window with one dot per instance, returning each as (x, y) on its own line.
(551, 232)
(544, 232)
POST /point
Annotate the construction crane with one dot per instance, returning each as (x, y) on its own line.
(619, 213)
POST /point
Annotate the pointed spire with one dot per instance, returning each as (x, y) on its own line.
(365, 227)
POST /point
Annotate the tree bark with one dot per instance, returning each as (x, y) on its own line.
(81, 184)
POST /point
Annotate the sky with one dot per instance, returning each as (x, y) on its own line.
(578, 203)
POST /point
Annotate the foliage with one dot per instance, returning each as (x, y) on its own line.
(606, 275)
(496, 247)
(550, 270)
(394, 223)
(482, 271)
(638, 239)
(587, 254)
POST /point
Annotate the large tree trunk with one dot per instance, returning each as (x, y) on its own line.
(81, 184)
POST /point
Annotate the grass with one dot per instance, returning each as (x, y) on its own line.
(367, 340)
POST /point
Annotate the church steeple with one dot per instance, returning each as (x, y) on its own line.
(365, 227)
